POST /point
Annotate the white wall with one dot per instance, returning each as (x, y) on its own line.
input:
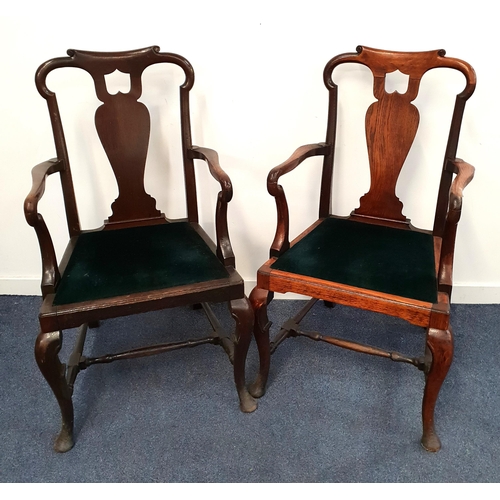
(258, 95)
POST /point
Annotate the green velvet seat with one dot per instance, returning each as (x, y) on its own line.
(374, 257)
(124, 261)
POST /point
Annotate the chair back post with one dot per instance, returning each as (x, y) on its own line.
(325, 203)
(325, 207)
(325, 198)
(452, 145)
(72, 217)
(189, 175)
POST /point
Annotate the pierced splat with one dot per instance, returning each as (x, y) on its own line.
(117, 82)
(396, 82)
(123, 125)
(391, 123)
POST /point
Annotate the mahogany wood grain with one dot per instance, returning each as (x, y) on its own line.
(224, 250)
(389, 141)
(50, 270)
(123, 126)
(260, 298)
(281, 241)
(47, 347)
(440, 344)
(392, 122)
(416, 312)
(391, 126)
(242, 313)
(465, 173)
(126, 146)
(72, 315)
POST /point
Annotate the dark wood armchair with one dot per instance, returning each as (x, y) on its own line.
(139, 260)
(374, 259)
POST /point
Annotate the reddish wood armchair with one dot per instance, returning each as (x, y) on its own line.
(374, 259)
(139, 260)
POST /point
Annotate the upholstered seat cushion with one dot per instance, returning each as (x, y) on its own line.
(123, 261)
(395, 261)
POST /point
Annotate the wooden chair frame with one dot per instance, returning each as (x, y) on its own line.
(133, 208)
(379, 206)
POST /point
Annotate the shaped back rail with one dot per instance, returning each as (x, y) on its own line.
(391, 125)
(123, 126)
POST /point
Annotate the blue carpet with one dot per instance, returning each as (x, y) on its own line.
(329, 415)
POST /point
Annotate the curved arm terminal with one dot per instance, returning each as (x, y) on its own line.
(50, 270)
(212, 159)
(465, 173)
(299, 155)
(281, 241)
(224, 248)
(39, 173)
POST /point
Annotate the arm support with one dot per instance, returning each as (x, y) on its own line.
(224, 248)
(50, 270)
(281, 241)
(465, 173)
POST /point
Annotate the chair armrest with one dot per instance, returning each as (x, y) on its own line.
(50, 270)
(212, 159)
(224, 248)
(465, 173)
(281, 241)
(38, 174)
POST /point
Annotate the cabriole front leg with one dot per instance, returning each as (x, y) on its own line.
(259, 299)
(440, 345)
(242, 313)
(47, 348)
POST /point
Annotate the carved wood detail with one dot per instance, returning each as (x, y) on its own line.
(391, 126)
(123, 125)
